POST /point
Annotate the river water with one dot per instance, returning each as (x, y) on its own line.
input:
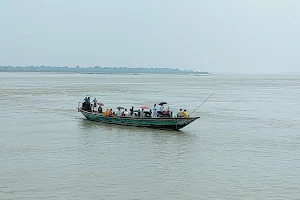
(246, 145)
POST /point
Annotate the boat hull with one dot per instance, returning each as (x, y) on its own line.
(160, 123)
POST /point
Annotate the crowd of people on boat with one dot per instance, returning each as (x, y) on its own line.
(157, 111)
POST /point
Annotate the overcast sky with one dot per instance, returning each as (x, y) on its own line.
(204, 35)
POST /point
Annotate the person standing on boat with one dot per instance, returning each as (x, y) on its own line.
(139, 113)
(131, 111)
(89, 104)
(84, 104)
(142, 113)
(154, 111)
(95, 104)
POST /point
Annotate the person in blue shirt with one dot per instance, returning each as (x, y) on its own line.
(139, 113)
(95, 104)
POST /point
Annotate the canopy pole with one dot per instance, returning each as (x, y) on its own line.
(200, 104)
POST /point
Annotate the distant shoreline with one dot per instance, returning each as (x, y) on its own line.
(98, 70)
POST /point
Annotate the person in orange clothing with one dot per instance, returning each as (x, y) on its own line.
(185, 114)
(106, 112)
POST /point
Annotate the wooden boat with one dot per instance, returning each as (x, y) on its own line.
(175, 123)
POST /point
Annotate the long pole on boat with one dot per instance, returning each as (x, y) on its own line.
(200, 104)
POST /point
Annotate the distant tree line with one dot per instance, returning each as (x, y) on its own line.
(96, 69)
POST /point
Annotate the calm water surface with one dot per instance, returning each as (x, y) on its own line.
(246, 145)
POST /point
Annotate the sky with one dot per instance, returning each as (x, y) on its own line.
(242, 36)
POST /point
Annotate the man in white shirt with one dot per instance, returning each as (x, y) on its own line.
(180, 113)
(161, 108)
(119, 112)
(142, 113)
(154, 111)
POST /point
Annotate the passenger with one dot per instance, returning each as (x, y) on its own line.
(123, 114)
(154, 111)
(161, 108)
(83, 106)
(148, 114)
(180, 113)
(126, 113)
(95, 104)
(110, 113)
(106, 113)
(85, 99)
(131, 111)
(166, 113)
(142, 113)
(139, 113)
(89, 108)
(169, 112)
(119, 114)
(99, 109)
(185, 114)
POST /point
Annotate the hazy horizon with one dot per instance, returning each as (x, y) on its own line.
(258, 36)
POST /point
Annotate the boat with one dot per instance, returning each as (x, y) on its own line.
(172, 123)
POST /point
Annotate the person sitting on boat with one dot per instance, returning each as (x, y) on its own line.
(180, 113)
(119, 114)
(147, 114)
(126, 113)
(85, 99)
(161, 108)
(99, 109)
(110, 113)
(106, 113)
(154, 111)
(166, 113)
(185, 114)
(169, 112)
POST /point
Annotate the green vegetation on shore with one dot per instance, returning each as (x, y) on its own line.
(97, 69)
